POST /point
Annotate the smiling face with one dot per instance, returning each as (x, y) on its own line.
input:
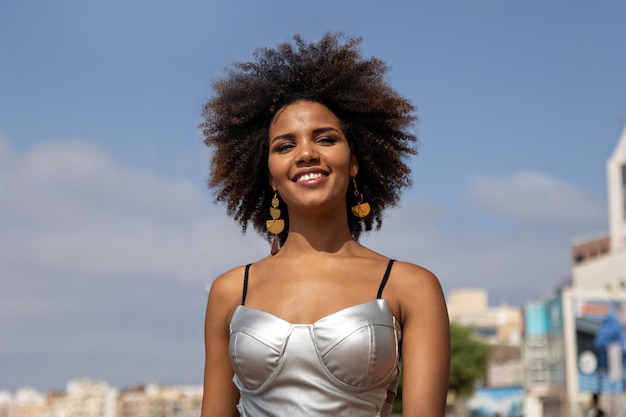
(310, 163)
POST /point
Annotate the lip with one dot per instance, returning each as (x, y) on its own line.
(321, 176)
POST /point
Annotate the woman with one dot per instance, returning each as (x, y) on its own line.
(309, 144)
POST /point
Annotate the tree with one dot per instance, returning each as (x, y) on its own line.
(468, 359)
(468, 363)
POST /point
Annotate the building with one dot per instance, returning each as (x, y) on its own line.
(27, 402)
(601, 261)
(500, 327)
(83, 398)
(6, 400)
(153, 400)
(574, 341)
(90, 398)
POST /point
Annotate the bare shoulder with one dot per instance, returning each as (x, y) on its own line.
(226, 282)
(411, 276)
(414, 288)
(226, 290)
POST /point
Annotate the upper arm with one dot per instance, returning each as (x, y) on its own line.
(220, 396)
(425, 344)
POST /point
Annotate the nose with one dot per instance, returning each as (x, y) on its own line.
(308, 152)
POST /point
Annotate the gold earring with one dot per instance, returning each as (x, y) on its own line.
(361, 209)
(276, 225)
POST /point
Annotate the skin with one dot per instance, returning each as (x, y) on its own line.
(320, 257)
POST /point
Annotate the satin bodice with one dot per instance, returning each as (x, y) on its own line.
(341, 365)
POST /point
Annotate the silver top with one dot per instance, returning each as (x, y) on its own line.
(343, 364)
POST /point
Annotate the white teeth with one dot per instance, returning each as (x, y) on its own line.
(311, 176)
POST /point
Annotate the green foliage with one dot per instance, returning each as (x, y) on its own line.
(468, 363)
(468, 359)
(397, 401)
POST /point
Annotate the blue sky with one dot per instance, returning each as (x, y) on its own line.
(110, 238)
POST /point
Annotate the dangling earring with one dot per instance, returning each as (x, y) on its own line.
(276, 225)
(361, 209)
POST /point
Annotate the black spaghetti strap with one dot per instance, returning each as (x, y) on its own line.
(385, 278)
(245, 285)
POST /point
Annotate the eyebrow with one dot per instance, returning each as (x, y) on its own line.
(317, 131)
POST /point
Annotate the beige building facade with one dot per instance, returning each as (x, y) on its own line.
(501, 327)
(90, 398)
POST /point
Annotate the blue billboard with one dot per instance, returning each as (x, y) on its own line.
(600, 344)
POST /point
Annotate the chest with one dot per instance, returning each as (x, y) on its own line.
(356, 347)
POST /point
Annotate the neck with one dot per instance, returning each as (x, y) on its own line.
(322, 234)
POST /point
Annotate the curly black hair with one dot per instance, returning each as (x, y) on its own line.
(375, 119)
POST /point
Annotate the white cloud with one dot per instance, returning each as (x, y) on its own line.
(69, 208)
(104, 261)
(533, 197)
(104, 266)
(524, 255)
(512, 266)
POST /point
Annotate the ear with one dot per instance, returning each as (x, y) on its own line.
(354, 166)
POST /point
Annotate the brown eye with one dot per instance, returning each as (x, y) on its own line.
(327, 140)
(284, 147)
